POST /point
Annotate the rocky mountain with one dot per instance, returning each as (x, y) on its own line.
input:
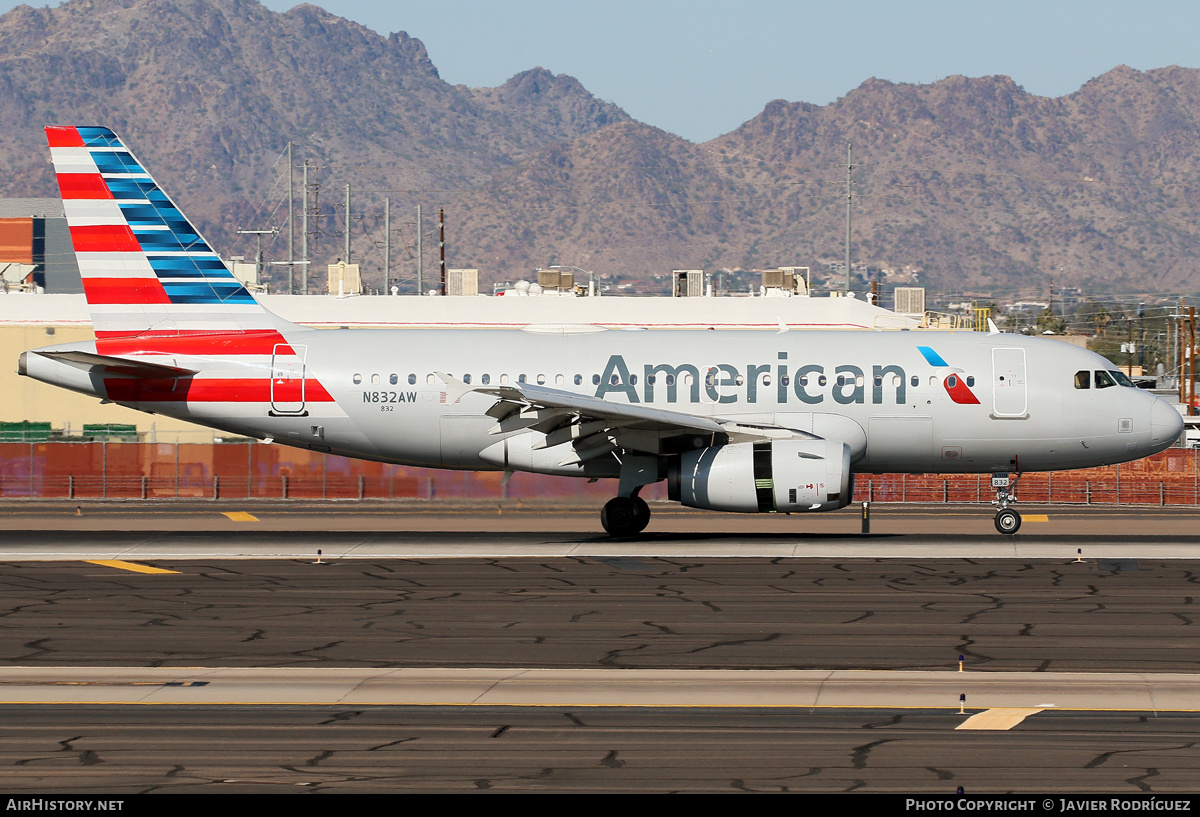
(964, 183)
(970, 183)
(208, 93)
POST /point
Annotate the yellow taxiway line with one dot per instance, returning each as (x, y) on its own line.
(131, 566)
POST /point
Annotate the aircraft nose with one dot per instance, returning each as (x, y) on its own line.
(1166, 424)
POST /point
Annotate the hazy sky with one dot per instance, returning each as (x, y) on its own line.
(699, 68)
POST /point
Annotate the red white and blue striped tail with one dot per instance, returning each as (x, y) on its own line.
(146, 270)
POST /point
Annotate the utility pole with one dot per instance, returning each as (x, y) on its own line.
(387, 246)
(258, 258)
(316, 205)
(291, 225)
(347, 253)
(849, 199)
(442, 246)
(420, 260)
(304, 235)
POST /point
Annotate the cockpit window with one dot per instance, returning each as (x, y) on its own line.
(1121, 378)
(1104, 379)
(1083, 380)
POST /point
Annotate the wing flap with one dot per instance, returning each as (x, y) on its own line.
(593, 408)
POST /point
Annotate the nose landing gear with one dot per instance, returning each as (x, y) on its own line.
(1008, 521)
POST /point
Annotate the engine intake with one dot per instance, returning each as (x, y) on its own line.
(785, 476)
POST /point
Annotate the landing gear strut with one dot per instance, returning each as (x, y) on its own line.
(625, 516)
(1008, 521)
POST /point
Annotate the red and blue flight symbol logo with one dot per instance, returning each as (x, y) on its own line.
(954, 383)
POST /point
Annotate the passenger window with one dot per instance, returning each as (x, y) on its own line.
(595, 380)
(466, 378)
(430, 379)
(357, 378)
(374, 380)
(951, 381)
(485, 379)
(578, 380)
(1083, 380)
(559, 380)
(821, 380)
(541, 379)
(916, 381)
(766, 379)
(970, 380)
(503, 380)
(1104, 380)
(520, 378)
(412, 380)
(393, 378)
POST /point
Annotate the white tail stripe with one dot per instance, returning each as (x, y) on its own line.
(83, 212)
(73, 160)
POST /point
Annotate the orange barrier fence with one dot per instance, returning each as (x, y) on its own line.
(252, 470)
(110, 470)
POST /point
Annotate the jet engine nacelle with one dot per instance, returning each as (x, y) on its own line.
(788, 476)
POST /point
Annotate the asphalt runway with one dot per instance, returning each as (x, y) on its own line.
(207, 750)
(620, 612)
(691, 596)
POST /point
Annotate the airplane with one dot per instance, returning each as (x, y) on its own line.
(747, 421)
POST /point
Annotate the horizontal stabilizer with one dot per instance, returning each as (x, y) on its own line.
(117, 366)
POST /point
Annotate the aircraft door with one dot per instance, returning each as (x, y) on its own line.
(287, 379)
(1010, 399)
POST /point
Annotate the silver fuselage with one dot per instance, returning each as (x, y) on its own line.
(376, 394)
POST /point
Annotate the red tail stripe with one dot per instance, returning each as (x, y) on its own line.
(60, 136)
(214, 390)
(195, 343)
(104, 238)
(83, 186)
(131, 291)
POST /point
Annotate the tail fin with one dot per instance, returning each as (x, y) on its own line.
(146, 270)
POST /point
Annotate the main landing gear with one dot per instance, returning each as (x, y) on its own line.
(1008, 521)
(625, 516)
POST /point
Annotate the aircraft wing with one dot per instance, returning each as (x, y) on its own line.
(590, 422)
